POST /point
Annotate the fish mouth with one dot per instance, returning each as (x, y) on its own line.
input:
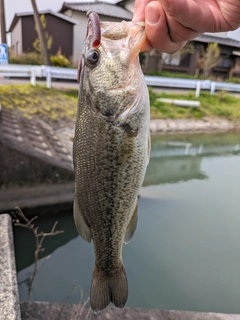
(120, 44)
(138, 32)
(124, 36)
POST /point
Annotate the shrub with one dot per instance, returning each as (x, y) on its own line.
(32, 58)
(233, 80)
(60, 61)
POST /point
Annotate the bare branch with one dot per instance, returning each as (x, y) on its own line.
(20, 214)
(39, 238)
(54, 226)
(43, 234)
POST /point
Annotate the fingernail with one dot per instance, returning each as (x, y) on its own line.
(152, 15)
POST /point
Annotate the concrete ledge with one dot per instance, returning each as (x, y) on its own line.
(181, 103)
(9, 299)
(43, 311)
(40, 199)
(191, 125)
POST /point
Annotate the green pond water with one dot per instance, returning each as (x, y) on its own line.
(185, 254)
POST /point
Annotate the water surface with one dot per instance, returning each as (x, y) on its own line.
(185, 254)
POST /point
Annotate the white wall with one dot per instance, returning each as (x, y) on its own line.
(79, 31)
(16, 36)
(217, 34)
(235, 35)
(129, 5)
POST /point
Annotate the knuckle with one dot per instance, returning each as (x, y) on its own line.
(177, 37)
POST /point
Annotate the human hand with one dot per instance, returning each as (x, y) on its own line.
(171, 23)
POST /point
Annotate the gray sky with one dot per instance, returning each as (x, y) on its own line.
(16, 6)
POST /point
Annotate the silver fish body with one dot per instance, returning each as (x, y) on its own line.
(111, 153)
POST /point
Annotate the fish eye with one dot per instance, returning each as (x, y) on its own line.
(93, 58)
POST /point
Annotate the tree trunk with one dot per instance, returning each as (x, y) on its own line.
(3, 23)
(40, 33)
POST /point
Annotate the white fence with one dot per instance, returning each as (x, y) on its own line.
(58, 73)
(49, 73)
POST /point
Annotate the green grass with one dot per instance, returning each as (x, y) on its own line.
(56, 104)
(48, 103)
(218, 105)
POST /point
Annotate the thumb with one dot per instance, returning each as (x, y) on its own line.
(157, 29)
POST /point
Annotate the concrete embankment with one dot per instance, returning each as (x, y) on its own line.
(191, 125)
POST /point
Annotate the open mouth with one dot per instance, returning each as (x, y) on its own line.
(127, 36)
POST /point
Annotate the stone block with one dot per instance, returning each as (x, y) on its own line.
(43, 311)
(9, 298)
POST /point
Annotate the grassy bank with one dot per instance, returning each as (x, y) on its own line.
(49, 103)
(56, 104)
(219, 105)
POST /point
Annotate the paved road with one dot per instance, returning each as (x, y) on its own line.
(74, 85)
(55, 84)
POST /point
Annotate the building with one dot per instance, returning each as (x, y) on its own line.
(228, 64)
(59, 26)
(229, 60)
(68, 29)
(77, 11)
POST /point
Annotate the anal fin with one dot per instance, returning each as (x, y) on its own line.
(80, 222)
(132, 225)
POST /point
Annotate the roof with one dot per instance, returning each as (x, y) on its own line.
(224, 41)
(24, 14)
(116, 1)
(101, 8)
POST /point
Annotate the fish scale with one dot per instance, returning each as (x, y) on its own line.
(111, 153)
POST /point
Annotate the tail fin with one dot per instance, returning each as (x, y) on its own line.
(105, 290)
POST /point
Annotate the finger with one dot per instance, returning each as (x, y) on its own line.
(139, 10)
(157, 29)
(146, 46)
(139, 15)
(179, 32)
(231, 13)
(199, 16)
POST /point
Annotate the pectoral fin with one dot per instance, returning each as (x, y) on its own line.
(80, 223)
(132, 225)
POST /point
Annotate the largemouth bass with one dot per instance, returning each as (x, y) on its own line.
(111, 150)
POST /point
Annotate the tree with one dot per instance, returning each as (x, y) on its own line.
(209, 59)
(40, 33)
(2, 22)
(37, 44)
